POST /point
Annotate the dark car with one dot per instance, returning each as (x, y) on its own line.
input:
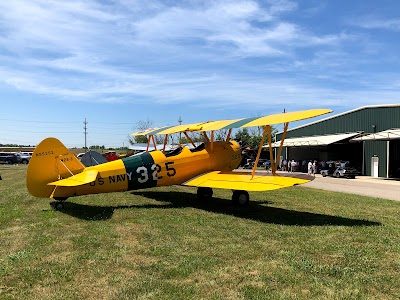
(346, 171)
(9, 158)
(340, 171)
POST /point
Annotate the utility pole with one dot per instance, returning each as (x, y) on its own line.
(180, 133)
(85, 133)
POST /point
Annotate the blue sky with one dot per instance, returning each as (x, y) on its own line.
(117, 62)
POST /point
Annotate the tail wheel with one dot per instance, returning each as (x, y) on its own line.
(59, 206)
(59, 203)
(241, 198)
(204, 193)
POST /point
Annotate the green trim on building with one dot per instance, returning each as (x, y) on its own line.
(368, 119)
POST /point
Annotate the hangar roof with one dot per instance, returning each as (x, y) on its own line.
(345, 113)
(368, 119)
(317, 140)
(390, 134)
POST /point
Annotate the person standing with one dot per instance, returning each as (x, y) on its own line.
(309, 168)
(314, 167)
(284, 165)
(294, 165)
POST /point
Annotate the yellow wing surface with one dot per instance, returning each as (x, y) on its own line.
(233, 180)
(85, 177)
(237, 123)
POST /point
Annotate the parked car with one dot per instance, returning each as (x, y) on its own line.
(341, 171)
(24, 157)
(26, 153)
(346, 171)
(249, 165)
(9, 158)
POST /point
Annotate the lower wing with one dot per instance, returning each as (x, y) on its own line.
(244, 181)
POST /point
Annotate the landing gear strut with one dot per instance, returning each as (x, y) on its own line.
(204, 193)
(240, 198)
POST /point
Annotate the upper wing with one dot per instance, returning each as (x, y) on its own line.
(150, 131)
(237, 123)
(233, 180)
(78, 179)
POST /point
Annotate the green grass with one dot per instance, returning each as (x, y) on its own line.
(162, 243)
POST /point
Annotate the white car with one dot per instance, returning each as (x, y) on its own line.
(25, 157)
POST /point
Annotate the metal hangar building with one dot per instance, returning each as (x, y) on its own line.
(368, 137)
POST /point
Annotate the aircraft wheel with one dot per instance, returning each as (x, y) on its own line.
(241, 198)
(204, 193)
(57, 205)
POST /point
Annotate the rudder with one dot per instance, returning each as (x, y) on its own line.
(50, 161)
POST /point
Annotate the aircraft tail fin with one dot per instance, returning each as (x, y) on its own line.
(51, 161)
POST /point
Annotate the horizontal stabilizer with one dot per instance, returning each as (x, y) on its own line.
(78, 179)
(243, 181)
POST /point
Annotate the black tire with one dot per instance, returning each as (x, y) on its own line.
(25, 161)
(204, 193)
(241, 198)
(9, 162)
(337, 175)
(59, 206)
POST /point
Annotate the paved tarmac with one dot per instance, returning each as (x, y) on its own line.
(361, 185)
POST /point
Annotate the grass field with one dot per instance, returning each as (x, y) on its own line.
(296, 243)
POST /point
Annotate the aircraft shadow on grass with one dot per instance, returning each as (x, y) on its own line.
(256, 211)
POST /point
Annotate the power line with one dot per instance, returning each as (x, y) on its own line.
(28, 121)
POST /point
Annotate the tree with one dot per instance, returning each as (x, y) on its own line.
(252, 138)
(195, 137)
(143, 125)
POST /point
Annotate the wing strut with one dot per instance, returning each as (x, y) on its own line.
(188, 137)
(271, 156)
(228, 137)
(280, 146)
(154, 142)
(206, 136)
(148, 144)
(266, 128)
(274, 162)
(151, 138)
(165, 142)
(212, 141)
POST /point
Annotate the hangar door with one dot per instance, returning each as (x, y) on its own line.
(394, 159)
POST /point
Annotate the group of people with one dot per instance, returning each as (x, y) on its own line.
(300, 166)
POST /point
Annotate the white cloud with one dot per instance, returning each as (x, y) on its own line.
(85, 50)
(378, 23)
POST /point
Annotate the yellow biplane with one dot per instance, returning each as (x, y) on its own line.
(55, 172)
